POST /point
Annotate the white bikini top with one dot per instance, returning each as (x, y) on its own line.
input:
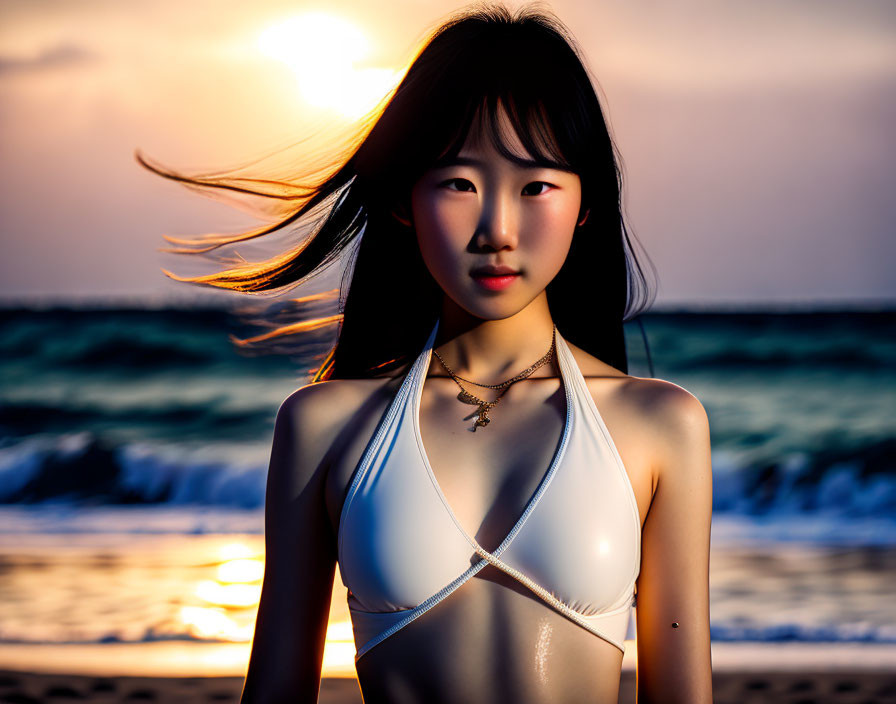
(577, 544)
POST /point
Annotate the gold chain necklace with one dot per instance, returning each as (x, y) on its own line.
(485, 406)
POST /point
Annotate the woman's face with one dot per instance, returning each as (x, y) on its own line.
(483, 210)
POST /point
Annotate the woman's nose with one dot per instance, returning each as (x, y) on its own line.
(498, 223)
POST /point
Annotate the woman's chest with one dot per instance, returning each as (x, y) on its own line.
(487, 476)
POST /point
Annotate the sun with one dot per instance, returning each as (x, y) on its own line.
(323, 51)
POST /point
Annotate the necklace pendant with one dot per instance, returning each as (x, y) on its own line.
(468, 398)
(483, 419)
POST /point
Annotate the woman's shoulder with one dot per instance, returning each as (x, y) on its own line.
(663, 408)
(664, 401)
(673, 419)
(334, 396)
(674, 428)
(319, 410)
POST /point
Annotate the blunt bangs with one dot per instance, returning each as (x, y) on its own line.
(534, 77)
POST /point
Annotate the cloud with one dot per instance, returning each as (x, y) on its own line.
(60, 56)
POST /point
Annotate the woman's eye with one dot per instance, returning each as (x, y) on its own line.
(536, 186)
(461, 185)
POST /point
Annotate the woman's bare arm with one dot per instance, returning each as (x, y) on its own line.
(673, 586)
(300, 559)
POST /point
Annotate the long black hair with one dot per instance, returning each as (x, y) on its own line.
(480, 58)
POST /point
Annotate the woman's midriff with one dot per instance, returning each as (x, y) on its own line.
(491, 641)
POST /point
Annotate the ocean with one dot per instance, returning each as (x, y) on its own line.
(134, 446)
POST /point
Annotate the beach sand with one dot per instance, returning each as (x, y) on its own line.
(35, 688)
(743, 673)
(729, 688)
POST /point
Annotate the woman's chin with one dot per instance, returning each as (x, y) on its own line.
(491, 307)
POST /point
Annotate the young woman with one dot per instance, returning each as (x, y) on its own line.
(493, 484)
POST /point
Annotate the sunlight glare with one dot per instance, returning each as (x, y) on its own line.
(234, 595)
(322, 50)
(241, 571)
(339, 651)
(234, 551)
(214, 623)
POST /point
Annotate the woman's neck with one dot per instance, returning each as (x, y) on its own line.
(491, 351)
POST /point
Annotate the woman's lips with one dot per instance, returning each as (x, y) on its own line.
(495, 283)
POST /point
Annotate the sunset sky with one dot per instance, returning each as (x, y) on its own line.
(757, 137)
